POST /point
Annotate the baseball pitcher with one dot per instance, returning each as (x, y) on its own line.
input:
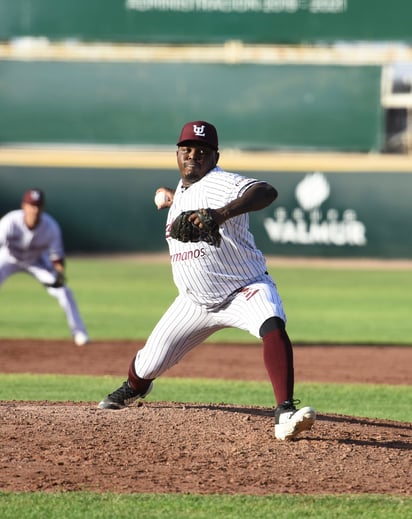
(221, 277)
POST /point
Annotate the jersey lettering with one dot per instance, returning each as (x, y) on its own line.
(188, 255)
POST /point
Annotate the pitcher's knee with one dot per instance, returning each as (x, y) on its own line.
(270, 325)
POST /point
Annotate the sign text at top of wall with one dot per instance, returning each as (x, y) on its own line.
(240, 6)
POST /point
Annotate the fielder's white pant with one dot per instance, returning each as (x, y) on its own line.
(44, 273)
(185, 325)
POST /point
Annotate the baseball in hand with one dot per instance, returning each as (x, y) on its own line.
(161, 199)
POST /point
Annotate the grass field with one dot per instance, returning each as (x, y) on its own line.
(110, 506)
(123, 298)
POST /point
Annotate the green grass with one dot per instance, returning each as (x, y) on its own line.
(124, 298)
(348, 306)
(112, 506)
(363, 400)
(117, 299)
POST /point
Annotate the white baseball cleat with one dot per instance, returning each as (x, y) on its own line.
(81, 338)
(290, 421)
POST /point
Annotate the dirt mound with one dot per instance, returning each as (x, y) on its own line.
(171, 447)
(200, 448)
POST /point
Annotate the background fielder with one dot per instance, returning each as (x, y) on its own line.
(31, 242)
(221, 282)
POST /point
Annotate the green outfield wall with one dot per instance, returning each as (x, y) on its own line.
(208, 21)
(143, 104)
(318, 213)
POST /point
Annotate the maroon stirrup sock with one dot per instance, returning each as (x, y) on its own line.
(278, 359)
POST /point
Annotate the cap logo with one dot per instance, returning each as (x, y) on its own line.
(35, 196)
(199, 131)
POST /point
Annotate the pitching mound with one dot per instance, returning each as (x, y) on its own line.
(199, 448)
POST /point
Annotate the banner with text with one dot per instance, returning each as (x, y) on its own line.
(208, 21)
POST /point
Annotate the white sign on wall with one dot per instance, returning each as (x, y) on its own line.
(312, 222)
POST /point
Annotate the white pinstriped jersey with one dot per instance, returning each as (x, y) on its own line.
(208, 274)
(28, 245)
(219, 287)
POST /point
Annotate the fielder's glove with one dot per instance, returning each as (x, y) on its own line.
(60, 279)
(184, 230)
(58, 282)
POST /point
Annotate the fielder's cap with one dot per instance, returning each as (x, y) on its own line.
(200, 131)
(34, 197)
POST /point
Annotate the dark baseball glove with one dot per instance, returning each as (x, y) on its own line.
(60, 279)
(184, 230)
(58, 282)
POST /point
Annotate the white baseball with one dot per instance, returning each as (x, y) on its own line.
(161, 199)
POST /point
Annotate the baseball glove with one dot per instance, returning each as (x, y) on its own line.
(58, 282)
(184, 230)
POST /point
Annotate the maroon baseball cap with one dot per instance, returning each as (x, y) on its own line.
(34, 197)
(200, 131)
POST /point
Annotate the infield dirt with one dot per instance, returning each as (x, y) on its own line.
(200, 448)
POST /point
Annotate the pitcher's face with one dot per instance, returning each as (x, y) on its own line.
(194, 161)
